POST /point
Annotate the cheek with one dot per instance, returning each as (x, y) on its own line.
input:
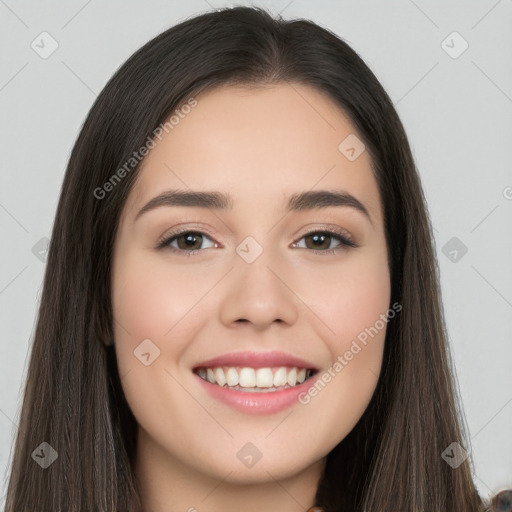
(152, 302)
(148, 299)
(358, 292)
(149, 302)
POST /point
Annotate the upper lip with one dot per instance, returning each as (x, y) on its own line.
(256, 360)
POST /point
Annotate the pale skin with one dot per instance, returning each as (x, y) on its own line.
(260, 146)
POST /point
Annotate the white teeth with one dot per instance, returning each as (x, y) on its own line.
(292, 377)
(280, 377)
(252, 379)
(247, 378)
(264, 378)
(209, 375)
(219, 376)
(232, 377)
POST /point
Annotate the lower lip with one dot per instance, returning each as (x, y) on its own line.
(260, 402)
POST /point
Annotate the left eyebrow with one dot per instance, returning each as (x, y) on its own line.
(221, 201)
(324, 199)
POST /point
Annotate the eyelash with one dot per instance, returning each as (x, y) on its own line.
(346, 241)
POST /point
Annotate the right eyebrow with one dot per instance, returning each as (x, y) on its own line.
(213, 200)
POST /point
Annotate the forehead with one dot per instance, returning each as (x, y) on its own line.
(261, 145)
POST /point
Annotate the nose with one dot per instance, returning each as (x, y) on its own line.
(259, 294)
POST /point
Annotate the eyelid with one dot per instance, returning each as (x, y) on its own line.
(186, 227)
(341, 233)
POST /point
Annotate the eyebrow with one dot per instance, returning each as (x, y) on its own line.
(309, 200)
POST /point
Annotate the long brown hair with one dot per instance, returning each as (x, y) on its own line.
(391, 460)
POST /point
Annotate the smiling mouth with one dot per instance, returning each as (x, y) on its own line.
(255, 380)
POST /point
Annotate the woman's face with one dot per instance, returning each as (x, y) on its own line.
(257, 284)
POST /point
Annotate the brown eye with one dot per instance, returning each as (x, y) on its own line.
(189, 240)
(319, 240)
(185, 241)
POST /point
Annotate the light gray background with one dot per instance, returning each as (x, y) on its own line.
(457, 113)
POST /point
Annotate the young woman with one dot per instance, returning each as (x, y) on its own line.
(241, 305)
